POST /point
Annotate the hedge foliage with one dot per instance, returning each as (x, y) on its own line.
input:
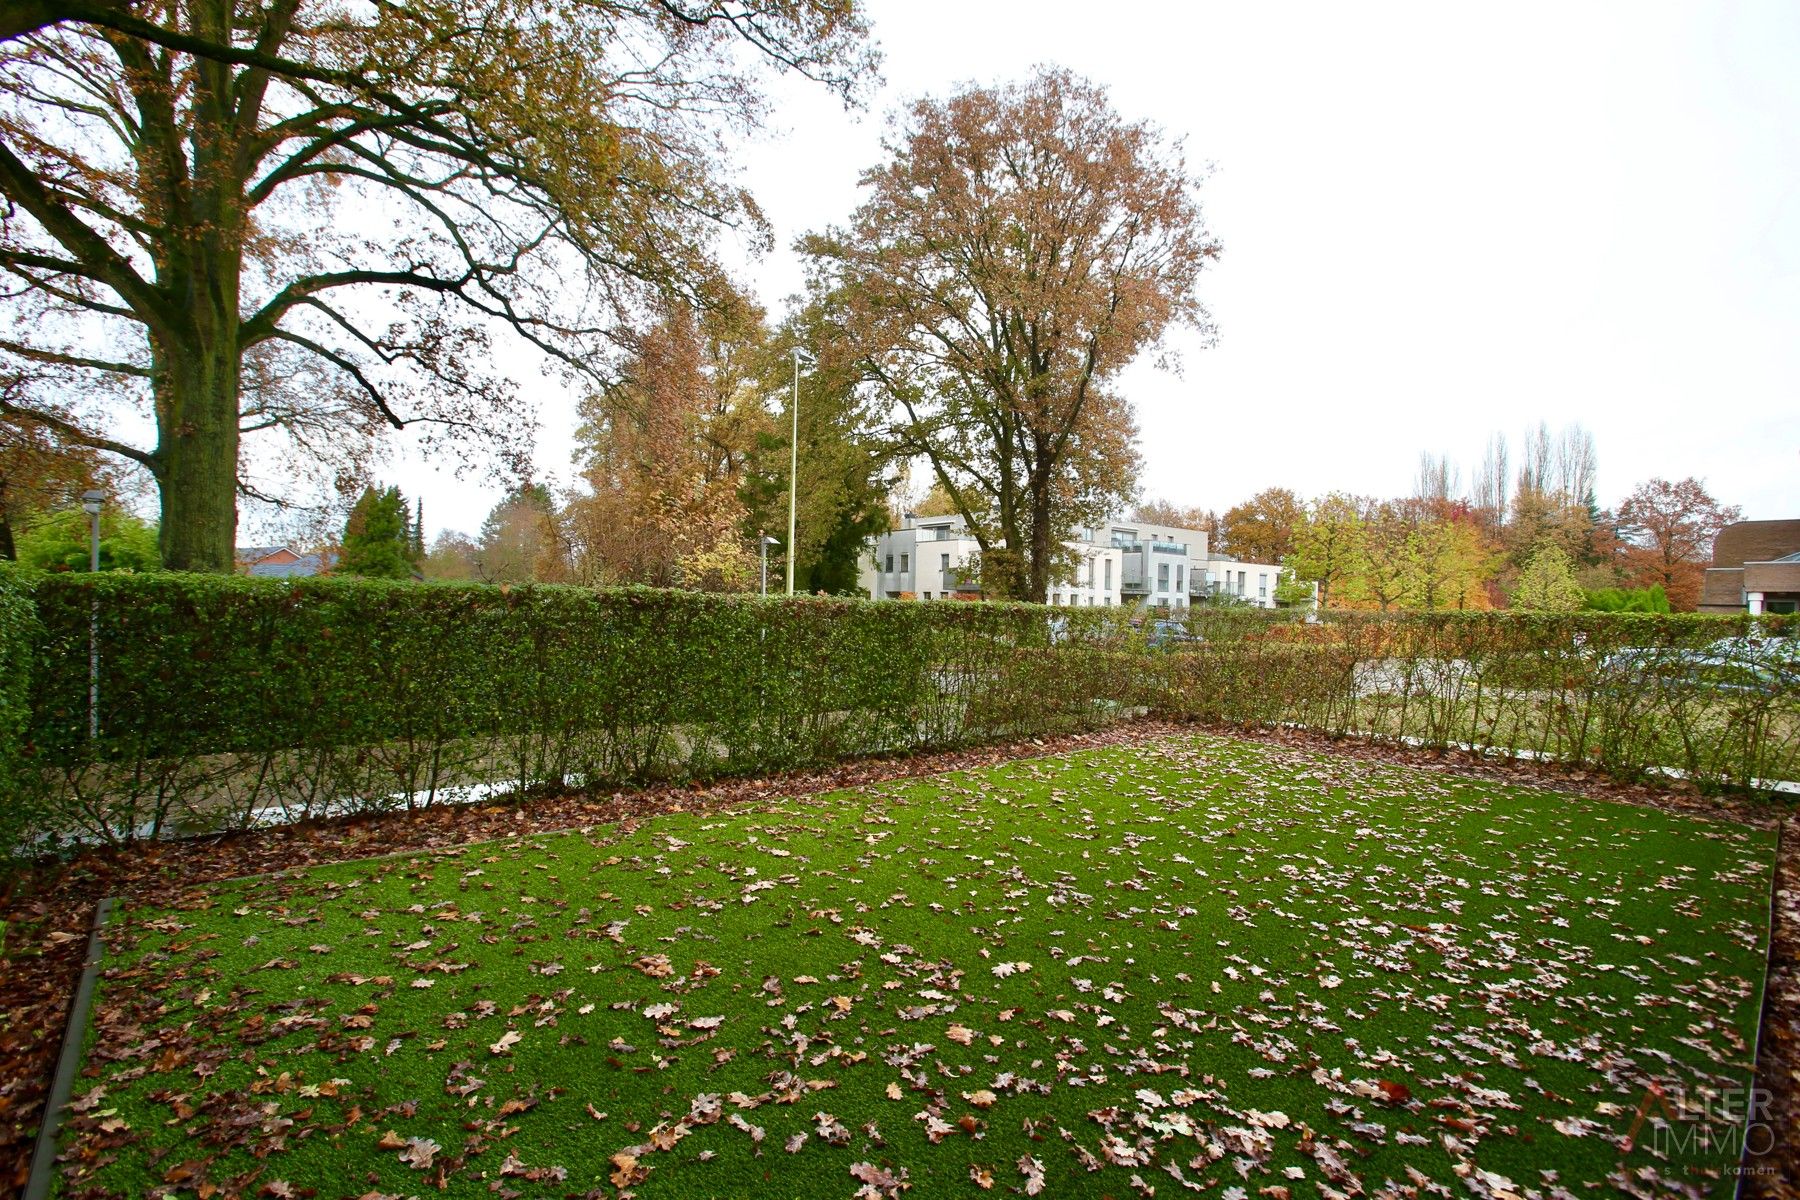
(18, 645)
(223, 698)
(1714, 698)
(225, 701)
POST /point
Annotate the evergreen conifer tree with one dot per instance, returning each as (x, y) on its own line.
(377, 542)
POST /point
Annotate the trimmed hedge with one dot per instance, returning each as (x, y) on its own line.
(1630, 694)
(18, 646)
(222, 698)
(225, 701)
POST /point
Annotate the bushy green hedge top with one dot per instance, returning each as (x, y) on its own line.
(196, 665)
(202, 664)
(18, 646)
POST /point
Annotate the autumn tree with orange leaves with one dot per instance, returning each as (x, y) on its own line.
(664, 450)
(363, 193)
(1021, 246)
(1669, 530)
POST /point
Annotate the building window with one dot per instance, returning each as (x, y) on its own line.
(1178, 570)
(890, 564)
(1262, 586)
(1109, 574)
(1241, 574)
(1162, 577)
(944, 563)
(904, 565)
(928, 595)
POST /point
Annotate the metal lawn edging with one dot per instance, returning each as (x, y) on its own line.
(43, 1156)
(1762, 1015)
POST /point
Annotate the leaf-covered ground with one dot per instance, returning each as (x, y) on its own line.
(1195, 966)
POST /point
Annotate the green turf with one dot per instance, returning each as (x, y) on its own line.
(1248, 970)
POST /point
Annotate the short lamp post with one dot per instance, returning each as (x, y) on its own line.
(764, 541)
(90, 504)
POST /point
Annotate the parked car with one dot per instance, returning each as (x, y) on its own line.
(1733, 664)
(1168, 635)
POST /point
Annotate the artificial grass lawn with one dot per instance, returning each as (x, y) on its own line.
(1195, 964)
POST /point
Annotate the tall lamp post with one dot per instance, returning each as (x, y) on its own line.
(90, 504)
(800, 355)
(764, 541)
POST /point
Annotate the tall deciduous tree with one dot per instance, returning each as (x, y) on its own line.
(843, 464)
(1022, 245)
(451, 556)
(1331, 548)
(1262, 528)
(1671, 527)
(1547, 584)
(1164, 512)
(522, 540)
(1390, 530)
(663, 453)
(365, 189)
(1448, 562)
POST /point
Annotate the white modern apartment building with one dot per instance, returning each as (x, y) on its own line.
(1120, 562)
(1251, 582)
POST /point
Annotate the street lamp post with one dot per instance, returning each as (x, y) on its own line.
(764, 541)
(794, 462)
(90, 504)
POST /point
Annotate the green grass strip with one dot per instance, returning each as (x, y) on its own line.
(1201, 964)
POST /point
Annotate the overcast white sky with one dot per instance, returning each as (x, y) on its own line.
(1439, 220)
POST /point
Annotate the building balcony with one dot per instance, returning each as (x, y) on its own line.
(1132, 576)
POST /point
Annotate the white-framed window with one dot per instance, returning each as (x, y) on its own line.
(1162, 577)
(944, 563)
(1179, 568)
(1109, 574)
(904, 565)
(928, 595)
(1262, 585)
(890, 564)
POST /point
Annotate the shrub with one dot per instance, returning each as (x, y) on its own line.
(224, 697)
(1628, 600)
(18, 646)
(60, 542)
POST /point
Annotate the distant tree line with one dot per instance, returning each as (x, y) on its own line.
(1530, 535)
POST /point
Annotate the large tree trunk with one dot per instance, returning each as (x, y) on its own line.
(1037, 581)
(9, 552)
(196, 458)
(195, 357)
